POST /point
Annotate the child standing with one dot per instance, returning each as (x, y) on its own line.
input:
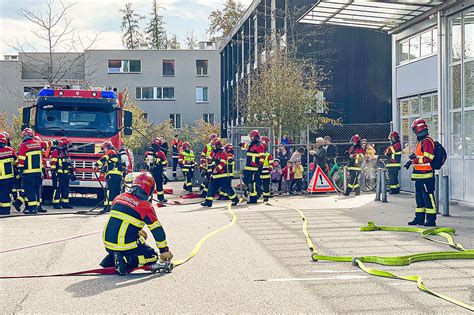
(288, 175)
(298, 176)
(276, 175)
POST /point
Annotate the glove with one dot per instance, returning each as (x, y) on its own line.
(408, 164)
(166, 256)
(412, 156)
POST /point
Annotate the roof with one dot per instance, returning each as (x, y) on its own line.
(378, 15)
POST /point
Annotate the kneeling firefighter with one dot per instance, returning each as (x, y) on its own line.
(111, 165)
(123, 235)
(219, 176)
(394, 151)
(61, 169)
(187, 161)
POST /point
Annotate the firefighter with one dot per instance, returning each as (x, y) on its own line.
(229, 149)
(394, 151)
(266, 169)
(176, 146)
(156, 161)
(45, 147)
(8, 162)
(124, 237)
(219, 178)
(423, 175)
(253, 164)
(356, 156)
(110, 165)
(61, 169)
(206, 157)
(187, 161)
(30, 167)
(125, 158)
(17, 191)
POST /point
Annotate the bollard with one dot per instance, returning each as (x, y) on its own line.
(345, 178)
(445, 184)
(437, 187)
(377, 185)
(383, 185)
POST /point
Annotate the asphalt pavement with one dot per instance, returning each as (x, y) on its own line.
(261, 264)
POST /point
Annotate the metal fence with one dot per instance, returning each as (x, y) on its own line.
(237, 135)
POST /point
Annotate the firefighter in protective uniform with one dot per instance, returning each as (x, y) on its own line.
(17, 190)
(110, 165)
(61, 171)
(30, 167)
(206, 157)
(266, 169)
(187, 161)
(156, 161)
(8, 162)
(356, 156)
(220, 177)
(394, 152)
(177, 146)
(423, 175)
(124, 237)
(253, 165)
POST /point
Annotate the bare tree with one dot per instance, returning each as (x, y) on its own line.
(191, 40)
(132, 36)
(65, 47)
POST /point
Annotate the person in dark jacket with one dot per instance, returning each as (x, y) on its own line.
(331, 149)
(319, 155)
(283, 156)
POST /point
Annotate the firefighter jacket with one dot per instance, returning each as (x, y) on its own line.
(186, 159)
(231, 163)
(60, 161)
(424, 155)
(30, 157)
(356, 155)
(128, 216)
(176, 146)
(7, 162)
(110, 163)
(206, 155)
(255, 155)
(394, 151)
(219, 164)
(267, 166)
(155, 158)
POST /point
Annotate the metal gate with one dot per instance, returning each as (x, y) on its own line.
(238, 135)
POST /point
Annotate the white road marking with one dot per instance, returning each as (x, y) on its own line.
(341, 277)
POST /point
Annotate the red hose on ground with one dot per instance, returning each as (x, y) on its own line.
(101, 271)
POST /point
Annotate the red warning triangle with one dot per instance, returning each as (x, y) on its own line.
(320, 182)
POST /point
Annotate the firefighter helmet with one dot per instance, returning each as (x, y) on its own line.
(254, 134)
(66, 142)
(106, 145)
(27, 133)
(145, 182)
(3, 138)
(217, 143)
(37, 138)
(212, 136)
(355, 139)
(157, 141)
(419, 125)
(186, 145)
(265, 139)
(229, 147)
(394, 135)
(6, 134)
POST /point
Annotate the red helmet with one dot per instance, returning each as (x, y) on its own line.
(3, 138)
(66, 142)
(27, 133)
(157, 141)
(394, 135)
(7, 135)
(146, 182)
(419, 125)
(254, 134)
(213, 136)
(106, 145)
(265, 140)
(186, 146)
(229, 147)
(217, 143)
(355, 139)
(37, 138)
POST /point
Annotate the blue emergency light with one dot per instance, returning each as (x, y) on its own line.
(108, 94)
(46, 92)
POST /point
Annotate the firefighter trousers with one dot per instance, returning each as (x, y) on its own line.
(157, 173)
(18, 194)
(424, 195)
(222, 183)
(175, 166)
(265, 187)
(353, 182)
(188, 178)
(251, 180)
(61, 189)
(32, 187)
(6, 186)
(138, 257)
(114, 186)
(393, 179)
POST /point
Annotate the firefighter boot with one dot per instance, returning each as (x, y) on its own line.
(56, 206)
(430, 220)
(235, 201)
(17, 204)
(206, 203)
(106, 209)
(67, 206)
(419, 219)
(108, 261)
(41, 210)
(121, 263)
(31, 210)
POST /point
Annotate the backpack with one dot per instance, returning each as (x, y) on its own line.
(440, 156)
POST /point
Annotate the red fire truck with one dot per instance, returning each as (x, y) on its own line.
(88, 118)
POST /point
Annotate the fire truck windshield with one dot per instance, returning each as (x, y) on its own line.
(56, 120)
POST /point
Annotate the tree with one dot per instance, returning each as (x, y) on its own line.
(283, 94)
(173, 42)
(132, 36)
(54, 31)
(191, 40)
(221, 22)
(155, 30)
(12, 126)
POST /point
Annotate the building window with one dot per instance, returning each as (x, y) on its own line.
(209, 118)
(125, 66)
(175, 120)
(201, 67)
(31, 92)
(168, 67)
(154, 93)
(202, 94)
(419, 45)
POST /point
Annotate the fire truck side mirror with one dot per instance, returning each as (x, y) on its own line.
(26, 117)
(127, 123)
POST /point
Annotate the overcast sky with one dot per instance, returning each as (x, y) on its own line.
(103, 17)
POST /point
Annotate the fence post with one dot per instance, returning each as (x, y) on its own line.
(383, 185)
(437, 187)
(378, 185)
(307, 154)
(446, 196)
(345, 178)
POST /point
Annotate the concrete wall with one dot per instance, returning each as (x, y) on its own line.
(11, 87)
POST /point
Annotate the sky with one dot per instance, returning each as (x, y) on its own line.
(102, 18)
